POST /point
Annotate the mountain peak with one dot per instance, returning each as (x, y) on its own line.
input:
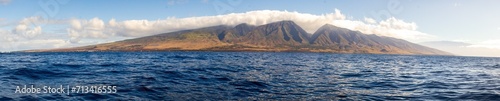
(284, 22)
(328, 26)
(242, 29)
(242, 25)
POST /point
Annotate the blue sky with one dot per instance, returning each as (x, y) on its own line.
(475, 22)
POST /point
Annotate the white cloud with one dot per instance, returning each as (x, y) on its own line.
(40, 21)
(27, 29)
(28, 34)
(370, 20)
(4, 2)
(14, 42)
(492, 44)
(34, 44)
(391, 27)
(7, 36)
(93, 28)
(32, 26)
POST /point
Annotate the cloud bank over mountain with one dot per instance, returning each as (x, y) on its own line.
(31, 29)
(98, 28)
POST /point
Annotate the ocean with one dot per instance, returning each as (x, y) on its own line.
(247, 76)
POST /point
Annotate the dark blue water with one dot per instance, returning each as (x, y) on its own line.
(252, 76)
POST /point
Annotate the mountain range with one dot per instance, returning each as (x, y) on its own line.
(276, 37)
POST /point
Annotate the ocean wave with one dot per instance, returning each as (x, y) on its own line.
(254, 76)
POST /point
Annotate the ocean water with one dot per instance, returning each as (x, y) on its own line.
(251, 76)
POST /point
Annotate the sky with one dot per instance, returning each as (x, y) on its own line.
(45, 24)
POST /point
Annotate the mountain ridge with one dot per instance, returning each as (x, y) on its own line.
(275, 36)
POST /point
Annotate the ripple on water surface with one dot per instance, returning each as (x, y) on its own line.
(253, 76)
